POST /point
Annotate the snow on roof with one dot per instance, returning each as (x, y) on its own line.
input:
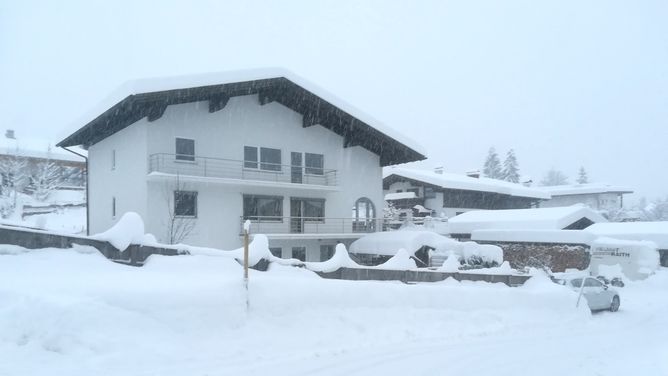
(582, 189)
(463, 182)
(521, 219)
(37, 148)
(156, 84)
(656, 232)
(387, 243)
(534, 236)
(399, 196)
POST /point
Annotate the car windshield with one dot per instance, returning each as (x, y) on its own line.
(333, 187)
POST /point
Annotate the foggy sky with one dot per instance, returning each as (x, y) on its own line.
(564, 83)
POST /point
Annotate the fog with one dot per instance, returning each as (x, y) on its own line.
(563, 83)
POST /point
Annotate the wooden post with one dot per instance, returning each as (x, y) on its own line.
(246, 231)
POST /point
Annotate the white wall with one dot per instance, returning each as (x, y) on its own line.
(597, 201)
(223, 134)
(126, 182)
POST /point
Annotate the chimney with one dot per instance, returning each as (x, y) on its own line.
(473, 174)
(10, 134)
(439, 170)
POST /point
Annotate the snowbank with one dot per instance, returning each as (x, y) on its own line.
(656, 232)
(340, 259)
(128, 230)
(400, 261)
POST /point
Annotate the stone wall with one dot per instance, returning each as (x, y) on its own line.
(556, 257)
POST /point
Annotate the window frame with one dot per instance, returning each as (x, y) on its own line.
(195, 204)
(311, 219)
(180, 157)
(258, 163)
(299, 248)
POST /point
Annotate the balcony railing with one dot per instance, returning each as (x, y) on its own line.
(313, 225)
(236, 169)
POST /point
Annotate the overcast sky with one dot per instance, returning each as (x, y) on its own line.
(564, 83)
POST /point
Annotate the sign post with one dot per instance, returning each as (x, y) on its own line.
(246, 230)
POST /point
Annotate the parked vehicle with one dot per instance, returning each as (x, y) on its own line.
(599, 296)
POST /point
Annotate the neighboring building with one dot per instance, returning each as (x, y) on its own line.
(656, 232)
(601, 197)
(447, 194)
(576, 217)
(33, 152)
(205, 153)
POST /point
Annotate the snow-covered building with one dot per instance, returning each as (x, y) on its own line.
(448, 194)
(601, 197)
(33, 151)
(575, 217)
(199, 155)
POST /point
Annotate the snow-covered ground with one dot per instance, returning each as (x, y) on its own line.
(71, 220)
(72, 312)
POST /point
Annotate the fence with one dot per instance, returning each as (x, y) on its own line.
(414, 276)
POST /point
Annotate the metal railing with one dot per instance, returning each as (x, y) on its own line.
(313, 225)
(237, 169)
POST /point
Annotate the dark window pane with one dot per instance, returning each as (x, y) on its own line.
(270, 159)
(250, 157)
(185, 149)
(185, 203)
(326, 252)
(263, 208)
(314, 163)
(299, 253)
(314, 208)
(276, 251)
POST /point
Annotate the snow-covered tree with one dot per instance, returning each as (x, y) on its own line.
(511, 172)
(492, 167)
(582, 176)
(45, 178)
(554, 177)
(15, 178)
(179, 227)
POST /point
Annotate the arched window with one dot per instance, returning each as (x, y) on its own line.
(364, 215)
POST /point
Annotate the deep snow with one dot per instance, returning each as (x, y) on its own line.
(72, 312)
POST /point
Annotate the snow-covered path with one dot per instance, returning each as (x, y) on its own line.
(75, 313)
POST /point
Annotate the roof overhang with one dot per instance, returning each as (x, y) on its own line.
(315, 110)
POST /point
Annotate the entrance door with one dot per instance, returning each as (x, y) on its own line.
(296, 219)
(296, 171)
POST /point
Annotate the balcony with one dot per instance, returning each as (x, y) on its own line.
(299, 226)
(229, 170)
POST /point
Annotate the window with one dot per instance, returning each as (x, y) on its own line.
(591, 282)
(113, 207)
(313, 209)
(314, 163)
(113, 159)
(576, 282)
(185, 149)
(270, 159)
(429, 192)
(250, 157)
(266, 208)
(276, 251)
(299, 253)
(326, 252)
(364, 214)
(185, 204)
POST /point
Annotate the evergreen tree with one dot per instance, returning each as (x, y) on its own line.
(554, 177)
(511, 172)
(582, 176)
(492, 167)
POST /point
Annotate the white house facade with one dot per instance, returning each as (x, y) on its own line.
(601, 197)
(199, 158)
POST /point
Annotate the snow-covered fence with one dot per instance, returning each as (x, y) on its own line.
(28, 210)
(34, 239)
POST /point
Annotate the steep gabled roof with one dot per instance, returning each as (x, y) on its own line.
(149, 98)
(461, 182)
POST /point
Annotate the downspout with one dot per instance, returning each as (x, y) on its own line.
(87, 202)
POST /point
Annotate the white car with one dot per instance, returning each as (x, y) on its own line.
(598, 295)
